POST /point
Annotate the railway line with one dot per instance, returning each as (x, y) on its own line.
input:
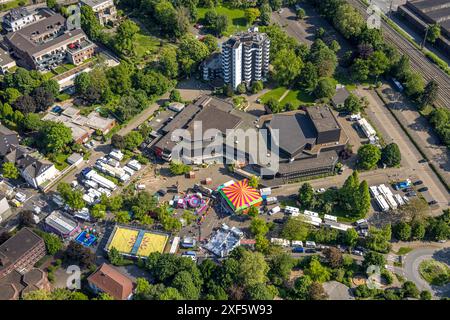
(419, 62)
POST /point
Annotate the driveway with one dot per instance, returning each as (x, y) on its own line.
(411, 267)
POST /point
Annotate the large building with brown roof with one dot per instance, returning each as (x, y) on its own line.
(21, 252)
(108, 279)
(49, 42)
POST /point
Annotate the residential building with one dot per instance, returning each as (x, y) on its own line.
(5, 209)
(21, 252)
(211, 67)
(82, 127)
(245, 58)
(49, 42)
(18, 18)
(108, 279)
(35, 170)
(6, 62)
(105, 10)
(15, 284)
(8, 139)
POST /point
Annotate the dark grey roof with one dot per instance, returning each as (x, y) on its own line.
(34, 167)
(428, 5)
(322, 118)
(8, 138)
(17, 246)
(182, 118)
(213, 118)
(324, 159)
(341, 95)
(16, 14)
(295, 131)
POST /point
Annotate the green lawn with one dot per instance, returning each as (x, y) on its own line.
(12, 4)
(298, 98)
(146, 44)
(236, 18)
(60, 161)
(275, 94)
(403, 250)
(435, 272)
(295, 97)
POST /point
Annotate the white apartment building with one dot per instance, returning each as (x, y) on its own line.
(245, 58)
(18, 18)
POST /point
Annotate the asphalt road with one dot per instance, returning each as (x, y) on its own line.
(411, 267)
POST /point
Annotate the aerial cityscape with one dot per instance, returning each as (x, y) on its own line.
(231, 150)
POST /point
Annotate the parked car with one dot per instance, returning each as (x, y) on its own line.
(357, 253)
(432, 202)
(21, 197)
(418, 182)
(162, 192)
(423, 161)
(320, 190)
(310, 250)
(274, 210)
(298, 250)
(411, 194)
(423, 189)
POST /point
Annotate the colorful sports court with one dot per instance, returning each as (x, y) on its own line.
(136, 242)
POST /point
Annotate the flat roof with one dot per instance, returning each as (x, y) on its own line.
(322, 118)
(61, 223)
(213, 118)
(295, 131)
(18, 245)
(323, 159)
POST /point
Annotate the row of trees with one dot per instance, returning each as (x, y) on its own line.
(369, 156)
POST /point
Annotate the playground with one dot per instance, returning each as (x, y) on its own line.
(88, 237)
(136, 242)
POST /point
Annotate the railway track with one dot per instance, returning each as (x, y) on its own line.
(419, 62)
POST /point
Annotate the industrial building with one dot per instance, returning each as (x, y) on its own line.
(422, 13)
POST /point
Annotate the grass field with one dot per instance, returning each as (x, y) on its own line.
(13, 4)
(295, 97)
(435, 272)
(403, 250)
(146, 44)
(236, 17)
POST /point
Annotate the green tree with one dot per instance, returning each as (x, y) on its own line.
(316, 271)
(126, 37)
(363, 200)
(372, 258)
(266, 12)
(178, 168)
(211, 42)
(122, 217)
(306, 195)
(390, 155)
(429, 94)
(280, 267)
(295, 229)
(287, 66)
(168, 62)
(323, 58)
(414, 84)
(308, 77)
(434, 32)
(190, 53)
(418, 230)
(257, 86)
(360, 70)
(410, 290)
(55, 136)
(252, 269)
(98, 211)
(53, 243)
(253, 211)
(115, 257)
(251, 14)
(425, 295)
(351, 237)
(301, 288)
(352, 104)
(378, 64)
(133, 140)
(259, 227)
(402, 231)
(300, 13)
(73, 198)
(10, 171)
(325, 88)
(317, 292)
(261, 291)
(368, 156)
(185, 285)
(348, 21)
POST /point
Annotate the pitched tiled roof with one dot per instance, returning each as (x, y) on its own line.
(111, 281)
